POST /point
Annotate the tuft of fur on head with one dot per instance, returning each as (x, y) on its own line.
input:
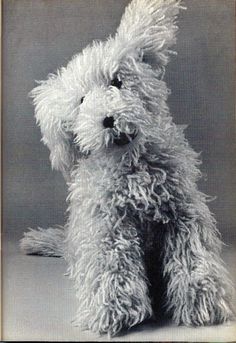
(136, 55)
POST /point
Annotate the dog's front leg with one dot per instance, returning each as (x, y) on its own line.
(198, 289)
(110, 275)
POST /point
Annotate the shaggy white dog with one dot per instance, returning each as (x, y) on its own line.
(139, 236)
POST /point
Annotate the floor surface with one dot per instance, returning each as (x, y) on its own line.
(39, 304)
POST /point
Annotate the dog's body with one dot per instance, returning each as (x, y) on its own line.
(140, 236)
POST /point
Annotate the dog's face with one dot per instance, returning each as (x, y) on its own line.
(113, 97)
(109, 97)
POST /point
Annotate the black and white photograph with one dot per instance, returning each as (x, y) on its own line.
(118, 170)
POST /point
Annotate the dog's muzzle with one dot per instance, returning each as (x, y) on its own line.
(122, 138)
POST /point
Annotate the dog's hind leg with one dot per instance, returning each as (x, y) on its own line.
(44, 242)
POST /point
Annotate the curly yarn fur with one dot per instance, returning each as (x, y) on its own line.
(140, 239)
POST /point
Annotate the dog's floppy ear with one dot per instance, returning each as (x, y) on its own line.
(53, 110)
(150, 27)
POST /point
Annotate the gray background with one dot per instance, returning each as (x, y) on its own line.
(41, 35)
(38, 37)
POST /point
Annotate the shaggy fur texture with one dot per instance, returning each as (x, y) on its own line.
(139, 237)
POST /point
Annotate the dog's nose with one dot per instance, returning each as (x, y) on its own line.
(108, 122)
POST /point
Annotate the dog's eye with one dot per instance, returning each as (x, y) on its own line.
(82, 100)
(116, 83)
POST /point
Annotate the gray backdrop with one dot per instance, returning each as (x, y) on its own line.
(41, 35)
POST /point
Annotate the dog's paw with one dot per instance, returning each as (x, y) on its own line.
(206, 308)
(113, 318)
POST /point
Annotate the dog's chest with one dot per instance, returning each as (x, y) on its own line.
(106, 182)
(94, 179)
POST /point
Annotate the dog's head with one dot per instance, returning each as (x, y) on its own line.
(109, 96)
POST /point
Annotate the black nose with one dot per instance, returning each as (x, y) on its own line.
(108, 122)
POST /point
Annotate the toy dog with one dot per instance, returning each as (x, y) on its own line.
(140, 239)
